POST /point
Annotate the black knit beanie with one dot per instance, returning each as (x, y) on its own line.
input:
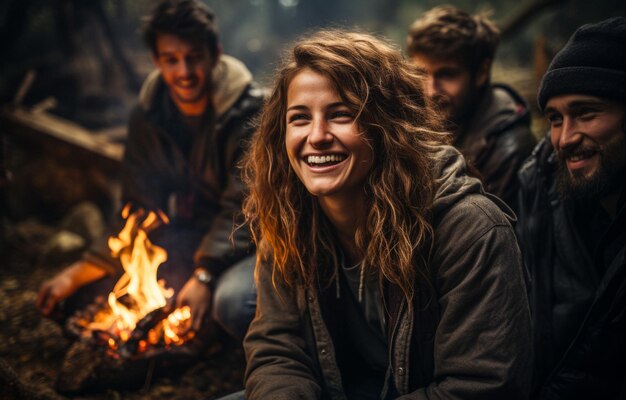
(593, 62)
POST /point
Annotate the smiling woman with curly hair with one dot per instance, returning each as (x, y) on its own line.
(383, 269)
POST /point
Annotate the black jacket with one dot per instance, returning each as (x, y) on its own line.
(578, 297)
(497, 140)
(199, 189)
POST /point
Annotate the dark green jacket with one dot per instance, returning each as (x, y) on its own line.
(472, 340)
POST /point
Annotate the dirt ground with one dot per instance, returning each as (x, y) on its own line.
(32, 349)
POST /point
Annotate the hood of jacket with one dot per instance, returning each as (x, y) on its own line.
(453, 182)
(230, 78)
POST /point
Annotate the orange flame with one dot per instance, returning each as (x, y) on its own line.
(139, 286)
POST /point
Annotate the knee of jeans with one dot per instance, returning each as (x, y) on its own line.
(234, 302)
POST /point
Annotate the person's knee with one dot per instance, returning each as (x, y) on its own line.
(234, 300)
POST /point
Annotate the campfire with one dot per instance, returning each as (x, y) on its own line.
(137, 324)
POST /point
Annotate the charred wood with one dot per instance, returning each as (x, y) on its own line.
(89, 367)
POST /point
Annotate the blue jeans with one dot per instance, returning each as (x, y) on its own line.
(234, 300)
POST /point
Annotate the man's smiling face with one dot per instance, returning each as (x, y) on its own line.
(588, 135)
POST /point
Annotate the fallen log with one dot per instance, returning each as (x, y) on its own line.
(48, 130)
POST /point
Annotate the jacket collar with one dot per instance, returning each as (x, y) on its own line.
(499, 108)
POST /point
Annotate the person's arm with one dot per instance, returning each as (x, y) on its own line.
(483, 344)
(65, 283)
(226, 241)
(278, 365)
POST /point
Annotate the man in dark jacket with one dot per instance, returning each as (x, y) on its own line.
(490, 122)
(184, 141)
(572, 222)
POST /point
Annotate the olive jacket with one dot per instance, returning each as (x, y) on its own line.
(471, 339)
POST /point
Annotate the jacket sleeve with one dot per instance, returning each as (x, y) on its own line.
(482, 345)
(227, 241)
(278, 365)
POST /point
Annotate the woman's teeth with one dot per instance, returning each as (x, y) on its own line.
(328, 159)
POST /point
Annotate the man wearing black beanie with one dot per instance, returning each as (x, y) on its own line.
(572, 220)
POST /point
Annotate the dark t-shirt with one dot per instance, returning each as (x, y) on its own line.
(366, 360)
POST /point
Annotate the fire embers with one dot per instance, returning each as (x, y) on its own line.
(137, 323)
(157, 331)
(139, 315)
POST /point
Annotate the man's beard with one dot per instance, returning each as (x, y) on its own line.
(459, 113)
(607, 179)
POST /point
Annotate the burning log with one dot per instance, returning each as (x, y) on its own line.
(137, 333)
(95, 363)
(143, 328)
(88, 368)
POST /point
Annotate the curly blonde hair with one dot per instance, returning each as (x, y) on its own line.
(386, 93)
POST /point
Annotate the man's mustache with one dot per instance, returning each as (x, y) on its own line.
(579, 150)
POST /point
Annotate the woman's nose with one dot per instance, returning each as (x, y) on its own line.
(320, 135)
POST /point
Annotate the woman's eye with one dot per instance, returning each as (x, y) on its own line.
(342, 115)
(297, 117)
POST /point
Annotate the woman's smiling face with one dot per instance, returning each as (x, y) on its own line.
(325, 145)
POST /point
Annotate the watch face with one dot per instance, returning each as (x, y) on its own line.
(203, 276)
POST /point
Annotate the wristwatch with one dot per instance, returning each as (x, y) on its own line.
(204, 276)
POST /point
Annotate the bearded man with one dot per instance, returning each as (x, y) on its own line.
(490, 122)
(572, 222)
